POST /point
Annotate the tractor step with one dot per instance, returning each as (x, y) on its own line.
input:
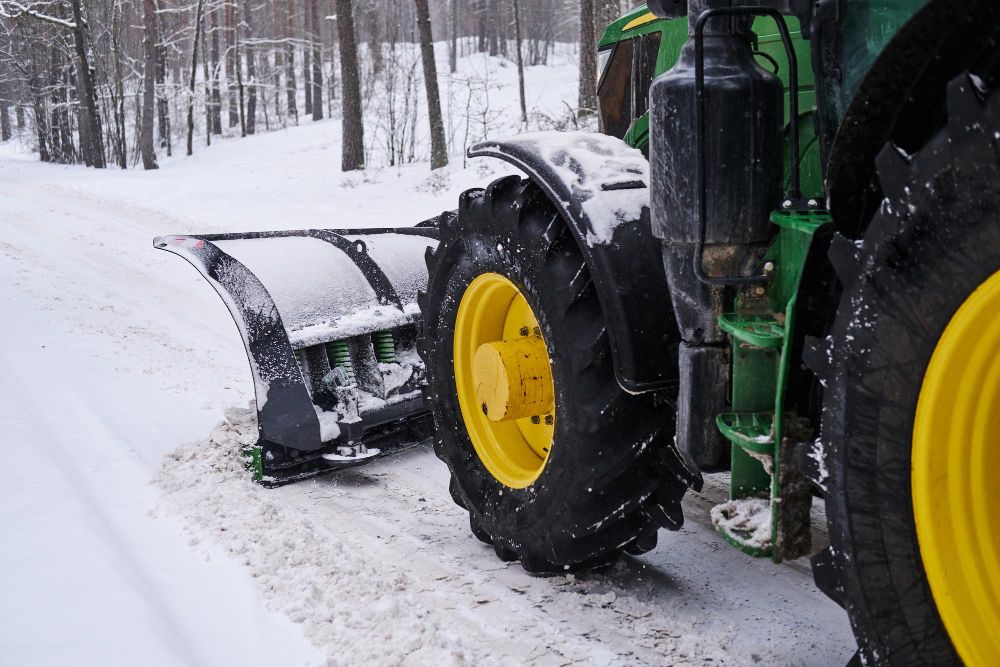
(763, 331)
(751, 431)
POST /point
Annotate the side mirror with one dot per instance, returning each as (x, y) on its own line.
(668, 9)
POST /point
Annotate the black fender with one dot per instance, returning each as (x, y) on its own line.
(600, 186)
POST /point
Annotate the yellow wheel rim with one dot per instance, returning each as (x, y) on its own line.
(956, 476)
(504, 380)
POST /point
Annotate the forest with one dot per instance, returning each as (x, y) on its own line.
(120, 83)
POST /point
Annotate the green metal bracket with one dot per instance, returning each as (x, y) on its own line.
(761, 347)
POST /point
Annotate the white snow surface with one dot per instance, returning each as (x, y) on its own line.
(118, 359)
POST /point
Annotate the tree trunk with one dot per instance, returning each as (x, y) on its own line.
(206, 78)
(5, 130)
(94, 148)
(121, 150)
(241, 89)
(588, 59)
(163, 107)
(372, 15)
(353, 157)
(251, 55)
(194, 72)
(216, 104)
(492, 27)
(307, 56)
(520, 61)
(453, 52)
(290, 88)
(251, 120)
(232, 57)
(148, 84)
(316, 38)
(439, 148)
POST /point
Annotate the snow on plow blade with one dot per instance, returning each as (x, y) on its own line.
(329, 322)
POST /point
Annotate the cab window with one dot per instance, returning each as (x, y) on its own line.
(615, 91)
(623, 92)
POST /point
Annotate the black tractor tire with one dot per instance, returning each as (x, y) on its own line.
(613, 476)
(934, 241)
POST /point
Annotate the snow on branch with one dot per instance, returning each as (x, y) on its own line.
(9, 6)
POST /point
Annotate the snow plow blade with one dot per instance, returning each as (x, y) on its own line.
(329, 322)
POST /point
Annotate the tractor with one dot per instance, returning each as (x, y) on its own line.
(779, 259)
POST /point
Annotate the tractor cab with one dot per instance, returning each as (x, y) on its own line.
(631, 52)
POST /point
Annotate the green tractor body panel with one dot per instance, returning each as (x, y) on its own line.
(633, 51)
(639, 47)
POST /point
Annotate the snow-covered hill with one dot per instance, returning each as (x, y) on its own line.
(131, 536)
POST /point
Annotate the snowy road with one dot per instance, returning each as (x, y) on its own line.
(114, 355)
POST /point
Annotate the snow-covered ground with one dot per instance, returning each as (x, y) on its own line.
(131, 536)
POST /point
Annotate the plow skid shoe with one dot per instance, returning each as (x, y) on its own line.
(329, 321)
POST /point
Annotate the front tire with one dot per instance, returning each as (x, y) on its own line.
(611, 476)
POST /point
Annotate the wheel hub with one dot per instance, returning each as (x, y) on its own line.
(512, 379)
(504, 381)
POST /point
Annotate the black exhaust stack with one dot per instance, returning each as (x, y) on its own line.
(716, 160)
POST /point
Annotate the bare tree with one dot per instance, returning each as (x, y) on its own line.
(162, 105)
(353, 157)
(520, 61)
(215, 103)
(194, 72)
(439, 147)
(92, 137)
(453, 51)
(316, 43)
(372, 15)
(588, 59)
(5, 130)
(250, 49)
(290, 88)
(146, 146)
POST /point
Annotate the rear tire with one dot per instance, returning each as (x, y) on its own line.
(613, 476)
(934, 242)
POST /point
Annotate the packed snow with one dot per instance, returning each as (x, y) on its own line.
(134, 535)
(747, 519)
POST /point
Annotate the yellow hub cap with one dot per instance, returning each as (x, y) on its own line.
(956, 476)
(504, 380)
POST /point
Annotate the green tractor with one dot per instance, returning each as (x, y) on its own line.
(780, 259)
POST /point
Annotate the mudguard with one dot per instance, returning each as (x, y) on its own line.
(600, 185)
